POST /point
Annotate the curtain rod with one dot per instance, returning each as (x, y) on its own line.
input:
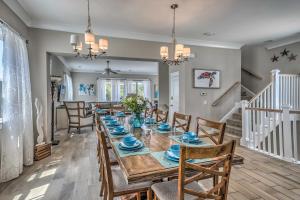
(13, 30)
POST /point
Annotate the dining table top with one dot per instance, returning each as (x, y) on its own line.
(145, 166)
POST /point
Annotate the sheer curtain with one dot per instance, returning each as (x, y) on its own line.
(147, 89)
(16, 136)
(69, 87)
(101, 89)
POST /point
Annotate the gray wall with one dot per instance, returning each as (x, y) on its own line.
(257, 59)
(229, 63)
(57, 67)
(91, 78)
(163, 83)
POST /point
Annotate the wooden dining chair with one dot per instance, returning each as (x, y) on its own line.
(115, 182)
(188, 188)
(117, 108)
(112, 159)
(161, 116)
(181, 121)
(77, 115)
(210, 129)
(149, 112)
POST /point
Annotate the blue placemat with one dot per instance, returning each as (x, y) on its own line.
(177, 138)
(123, 153)
(166, 163)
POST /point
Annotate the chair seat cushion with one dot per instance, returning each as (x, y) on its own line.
(169, 190)
(86, 121)
(122, 187)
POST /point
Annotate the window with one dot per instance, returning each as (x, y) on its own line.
(108, 91)
(117, 89)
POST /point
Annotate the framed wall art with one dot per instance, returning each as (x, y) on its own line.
(204, 78)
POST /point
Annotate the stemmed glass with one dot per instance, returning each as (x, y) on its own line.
(147, 136)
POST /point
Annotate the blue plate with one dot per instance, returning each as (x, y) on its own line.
(186, 138)
(173, 155)
(170, 158)
(164, 129)
(119, 133)
(137, 146)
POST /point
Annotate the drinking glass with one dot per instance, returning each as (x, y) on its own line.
(147, 136)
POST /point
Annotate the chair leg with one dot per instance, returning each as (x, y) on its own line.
(92, 127)
(155, 198)
(79, 130)
(149, 194)
(138, 196)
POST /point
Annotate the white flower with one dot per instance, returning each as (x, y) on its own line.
(140, 102)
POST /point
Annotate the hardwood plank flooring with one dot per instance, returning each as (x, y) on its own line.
(72, 173)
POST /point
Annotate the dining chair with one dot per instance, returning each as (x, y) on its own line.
(188, 188)
(149, 112)
(115, 182)
(77, 115)
(112, 160)
(117, 108)
(213, 130)
(181, 121)
(161, 116)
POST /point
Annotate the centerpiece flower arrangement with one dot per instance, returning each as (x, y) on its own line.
(136, 104)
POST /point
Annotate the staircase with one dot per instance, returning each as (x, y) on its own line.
(234, 122)
(234, 127)
(271, 120)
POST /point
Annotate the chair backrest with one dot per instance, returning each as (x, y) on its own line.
(105, 161)
(75, 110)
(213, 130)
(161, 116)
(117, 108)
(181, 121)
(221, 155)
(149, 112)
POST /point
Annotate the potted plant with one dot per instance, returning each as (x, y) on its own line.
(137, 105)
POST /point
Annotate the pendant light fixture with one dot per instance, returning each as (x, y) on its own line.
(180, 52)
(95, 48)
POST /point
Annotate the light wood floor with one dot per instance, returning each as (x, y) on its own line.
(71, 173)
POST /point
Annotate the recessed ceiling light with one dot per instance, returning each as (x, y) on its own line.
(209, 34)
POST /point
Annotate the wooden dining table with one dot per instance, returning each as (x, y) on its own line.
(139, 168)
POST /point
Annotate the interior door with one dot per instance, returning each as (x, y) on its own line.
(174, 94)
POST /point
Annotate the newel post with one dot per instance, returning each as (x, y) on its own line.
(245, 123)
(287, 142)
(276, 87)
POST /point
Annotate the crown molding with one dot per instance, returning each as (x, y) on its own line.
(19, 11)
(283, 42)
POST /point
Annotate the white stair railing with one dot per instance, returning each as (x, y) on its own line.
(267, 118)
(274, 132)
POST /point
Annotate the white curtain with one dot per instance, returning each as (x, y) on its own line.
(101, 89)
(16, 136)
(147, 89)
(68, 88)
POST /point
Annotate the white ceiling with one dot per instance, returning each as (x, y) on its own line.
(98, 65)
(235, 22)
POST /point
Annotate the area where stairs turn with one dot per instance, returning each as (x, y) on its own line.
(234, 127)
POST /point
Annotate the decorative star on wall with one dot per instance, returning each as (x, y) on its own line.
(292, 57)
(285, 52)
(275, 58)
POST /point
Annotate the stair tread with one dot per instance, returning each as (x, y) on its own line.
(234, 127)
(235, 120)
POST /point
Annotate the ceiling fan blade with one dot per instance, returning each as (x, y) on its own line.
(113, 72)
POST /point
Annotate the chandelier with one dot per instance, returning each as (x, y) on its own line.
(94, 48)
(181, 53)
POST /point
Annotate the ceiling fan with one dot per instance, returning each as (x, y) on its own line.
(108, 70)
